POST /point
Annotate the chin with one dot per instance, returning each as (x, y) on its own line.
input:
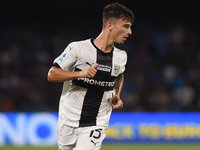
(122, 42)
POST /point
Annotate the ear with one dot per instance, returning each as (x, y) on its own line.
(109, 26)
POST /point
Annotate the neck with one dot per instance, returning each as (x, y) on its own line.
(104, 42)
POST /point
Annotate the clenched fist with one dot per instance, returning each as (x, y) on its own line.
(116, 102)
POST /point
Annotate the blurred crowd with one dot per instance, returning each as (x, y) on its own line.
(162, 73)
(163, 70)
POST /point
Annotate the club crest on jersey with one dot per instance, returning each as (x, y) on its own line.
(62, 57)
(116, 69)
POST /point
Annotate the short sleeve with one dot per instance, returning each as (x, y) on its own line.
(68, 58)
(124, 61)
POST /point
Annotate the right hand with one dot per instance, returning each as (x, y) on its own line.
(89, 72)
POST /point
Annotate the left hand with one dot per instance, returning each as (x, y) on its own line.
(116, 102)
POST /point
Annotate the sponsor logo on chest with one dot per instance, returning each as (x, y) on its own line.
(104, 68)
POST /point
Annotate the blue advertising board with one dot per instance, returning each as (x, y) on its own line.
(40, 128)
(28, 128)
(154, 127)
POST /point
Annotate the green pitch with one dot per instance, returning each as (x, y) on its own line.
(152, 147)
(120, 147)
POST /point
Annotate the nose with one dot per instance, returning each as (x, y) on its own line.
(129, 31)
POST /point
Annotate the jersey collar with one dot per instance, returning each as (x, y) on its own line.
(92, 41)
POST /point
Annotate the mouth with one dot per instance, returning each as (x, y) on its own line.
(125, 37)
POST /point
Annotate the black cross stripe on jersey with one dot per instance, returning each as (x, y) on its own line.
(93, 97)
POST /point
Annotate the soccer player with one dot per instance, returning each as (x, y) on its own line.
(92, 72)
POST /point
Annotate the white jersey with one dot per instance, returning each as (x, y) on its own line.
(87, 102)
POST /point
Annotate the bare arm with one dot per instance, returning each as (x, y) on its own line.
(60, 75)
(119, 81)
(117, 102)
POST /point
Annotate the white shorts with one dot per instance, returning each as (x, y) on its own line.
(80, 138)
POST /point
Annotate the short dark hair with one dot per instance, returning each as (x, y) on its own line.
(116, 10)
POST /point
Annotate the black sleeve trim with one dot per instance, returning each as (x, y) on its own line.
(56, 65)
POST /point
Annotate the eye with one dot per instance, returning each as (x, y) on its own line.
(126, 26)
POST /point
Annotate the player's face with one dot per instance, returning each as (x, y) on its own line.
(121, 31)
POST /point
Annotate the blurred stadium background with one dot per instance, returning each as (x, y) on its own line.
(161, 92)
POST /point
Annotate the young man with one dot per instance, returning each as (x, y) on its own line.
(92, 72)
